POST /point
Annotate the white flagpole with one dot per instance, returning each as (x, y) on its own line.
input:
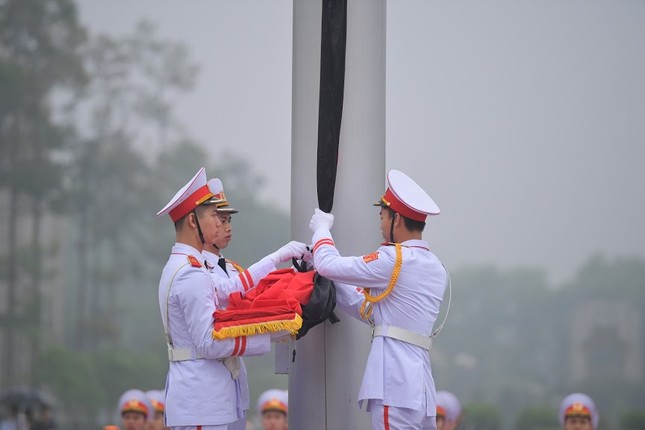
(328, 369)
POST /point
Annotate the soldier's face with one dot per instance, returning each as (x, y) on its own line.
(157, 421)
(133, 421)
(441, 423)
(577, 423)
(274, 420)
(209, 223)
(225, 233)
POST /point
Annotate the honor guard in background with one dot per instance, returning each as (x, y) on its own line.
(398, 289)
(230, 277)
(273, 408)
(448, 411)
(578, 412)
(200, 390)
(135, 409)
(158, 401)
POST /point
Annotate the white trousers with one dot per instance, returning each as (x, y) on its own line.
(392, 418)
(238, 425)
(224, 427)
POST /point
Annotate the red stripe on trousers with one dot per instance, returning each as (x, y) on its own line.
(386, 419)
(237, 346)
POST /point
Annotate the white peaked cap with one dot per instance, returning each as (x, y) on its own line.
(158, 399)
(578, 404)
(450, 404)
(274, 400)
(216, 186)
(406, 197)
(191, 195)
(219, 198)
(135, 401)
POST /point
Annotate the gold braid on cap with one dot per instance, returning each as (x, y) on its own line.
(366, 311)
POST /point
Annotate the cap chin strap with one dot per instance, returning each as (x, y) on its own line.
(199, 229)
(392, 228)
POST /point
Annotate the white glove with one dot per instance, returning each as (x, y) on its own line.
(233, 365)
(291, 250)
(321, 219)
(308, 257)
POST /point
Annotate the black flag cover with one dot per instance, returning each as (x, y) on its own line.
(321, 304)
(332, 84)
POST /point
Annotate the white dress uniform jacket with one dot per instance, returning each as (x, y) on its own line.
(235, 281)
(397, 373)
(199, 391)
(232, 281)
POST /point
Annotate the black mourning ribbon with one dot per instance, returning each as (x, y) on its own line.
(333, 40)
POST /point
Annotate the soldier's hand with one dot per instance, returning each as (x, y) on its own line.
(320, 220)
(291, 250)
(308, 257)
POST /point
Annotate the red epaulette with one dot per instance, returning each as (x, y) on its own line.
(370, 257)
(193, 261)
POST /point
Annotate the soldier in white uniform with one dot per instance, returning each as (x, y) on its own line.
(448, 411)
(201, 390)
(157, 399)
(578, 412)
(230, 277)
(273, 408)
(135, 410)
(398, 289)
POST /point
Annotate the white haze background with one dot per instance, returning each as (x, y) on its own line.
(525, 120)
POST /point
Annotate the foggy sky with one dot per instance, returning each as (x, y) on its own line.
(524, 120)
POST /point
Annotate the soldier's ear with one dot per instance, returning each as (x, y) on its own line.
(397, 219)
(192, 219)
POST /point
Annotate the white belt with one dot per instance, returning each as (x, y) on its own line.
(183, 354)
(188, 354)
(404, 335)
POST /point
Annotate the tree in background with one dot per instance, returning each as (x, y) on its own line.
(606, 300)
(486, 348)
(538, 418)
(39, 56)
(117, 182)
(111, 170)
(508, 339)
(74, 380)
(481, 416)
(165, 71)
(633, 420)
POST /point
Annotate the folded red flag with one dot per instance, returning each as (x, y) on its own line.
(274, 305)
